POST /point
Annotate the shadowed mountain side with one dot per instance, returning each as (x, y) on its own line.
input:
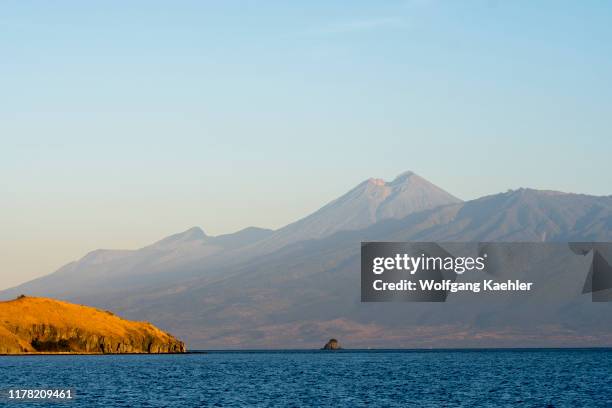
(526, 215)
(154, 265)
(304, 291)
(181, 258)
(371, 201)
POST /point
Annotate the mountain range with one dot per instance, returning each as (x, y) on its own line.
(293, 287)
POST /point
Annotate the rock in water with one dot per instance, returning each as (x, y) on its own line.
(332, 344)
(42, 325)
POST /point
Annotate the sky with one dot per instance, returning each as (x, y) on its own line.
(124, 122)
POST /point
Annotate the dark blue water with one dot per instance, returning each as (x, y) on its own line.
(518, 378)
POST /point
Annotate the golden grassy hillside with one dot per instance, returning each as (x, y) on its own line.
(41, 325)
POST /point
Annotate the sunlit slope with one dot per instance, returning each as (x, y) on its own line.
(33, 324)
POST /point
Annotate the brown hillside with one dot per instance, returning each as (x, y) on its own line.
(42, 325)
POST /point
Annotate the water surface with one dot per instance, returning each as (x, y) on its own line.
(451, 378)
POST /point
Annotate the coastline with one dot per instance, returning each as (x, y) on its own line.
(319, 351)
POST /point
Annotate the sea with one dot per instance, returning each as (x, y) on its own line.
(297, 378)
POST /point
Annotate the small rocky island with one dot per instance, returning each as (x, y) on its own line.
(30, 325)
(332, 344)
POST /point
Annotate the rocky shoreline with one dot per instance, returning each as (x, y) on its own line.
(30, 325)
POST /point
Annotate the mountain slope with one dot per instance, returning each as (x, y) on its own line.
(189, 255)
(368, 203)
(310, 289)
(29, 325)
(152, 265)
(307, 290)
(518, 215)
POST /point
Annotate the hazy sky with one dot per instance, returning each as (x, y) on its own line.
(123, 122)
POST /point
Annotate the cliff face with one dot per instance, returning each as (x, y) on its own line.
(31, 325)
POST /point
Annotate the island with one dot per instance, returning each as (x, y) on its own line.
(36, 325)
(332, 344)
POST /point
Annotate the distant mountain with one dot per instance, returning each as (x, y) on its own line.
(300, 284)
(310, 289)
(191, 254)
(159, 263)
(525, 215)
(371, 201)
(192, 237)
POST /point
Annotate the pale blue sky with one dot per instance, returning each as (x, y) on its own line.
(122, 122)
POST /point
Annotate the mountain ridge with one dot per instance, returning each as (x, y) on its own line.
(191, 251)
(370, 201)
(248, 293)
